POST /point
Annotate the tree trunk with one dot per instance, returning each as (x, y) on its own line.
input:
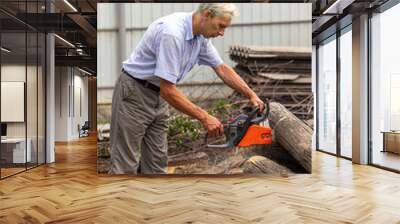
(262, 165)
(292, 134)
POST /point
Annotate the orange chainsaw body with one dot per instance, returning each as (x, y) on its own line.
(244, 130)
(256, 135)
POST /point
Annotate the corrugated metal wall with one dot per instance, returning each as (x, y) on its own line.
(257, 24)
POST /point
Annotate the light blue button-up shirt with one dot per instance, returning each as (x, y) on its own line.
(168, 50)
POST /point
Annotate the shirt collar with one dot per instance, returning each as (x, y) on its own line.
(189, 27)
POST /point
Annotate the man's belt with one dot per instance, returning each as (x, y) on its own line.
(144, 82)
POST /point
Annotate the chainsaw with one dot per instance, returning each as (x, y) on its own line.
(245, 130)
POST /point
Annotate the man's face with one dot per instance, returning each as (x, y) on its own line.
(214, 26)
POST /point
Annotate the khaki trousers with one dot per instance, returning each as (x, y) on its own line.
(138, 129)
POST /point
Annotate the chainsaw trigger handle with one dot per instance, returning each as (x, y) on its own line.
(259, 117)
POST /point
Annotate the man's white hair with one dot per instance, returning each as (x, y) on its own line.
(219, 9)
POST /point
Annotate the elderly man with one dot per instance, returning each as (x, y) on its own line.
(168, 50)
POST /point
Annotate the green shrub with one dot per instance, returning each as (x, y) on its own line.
(183, 129)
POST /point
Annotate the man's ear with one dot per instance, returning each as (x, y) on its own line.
(207, 13)
(203, 17)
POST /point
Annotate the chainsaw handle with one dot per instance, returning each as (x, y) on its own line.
(259, 117)
(226, 145)
(267, 108)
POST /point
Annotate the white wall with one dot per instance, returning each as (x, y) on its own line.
(14, 73)
(71, 94)
(33, 126)
(257, 24)
(80, 104)
(61, 103)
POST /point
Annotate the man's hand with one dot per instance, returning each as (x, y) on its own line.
(175, 98)
(232, 79)
(257, 102)
(213, 126)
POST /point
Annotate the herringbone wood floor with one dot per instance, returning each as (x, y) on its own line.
(70, 191)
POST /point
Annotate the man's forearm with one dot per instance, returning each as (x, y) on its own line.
(175, 98)
(233, 80)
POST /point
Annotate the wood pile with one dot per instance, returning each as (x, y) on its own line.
(282, 74)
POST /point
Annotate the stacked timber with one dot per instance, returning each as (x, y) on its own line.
(282, 74)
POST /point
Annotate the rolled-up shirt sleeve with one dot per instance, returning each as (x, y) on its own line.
(209, 55)
(168, 57)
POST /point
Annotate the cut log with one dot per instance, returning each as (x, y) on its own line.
(236, 171)
(279, 155)
(262, 165)
(292, 134)
(310, 123)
